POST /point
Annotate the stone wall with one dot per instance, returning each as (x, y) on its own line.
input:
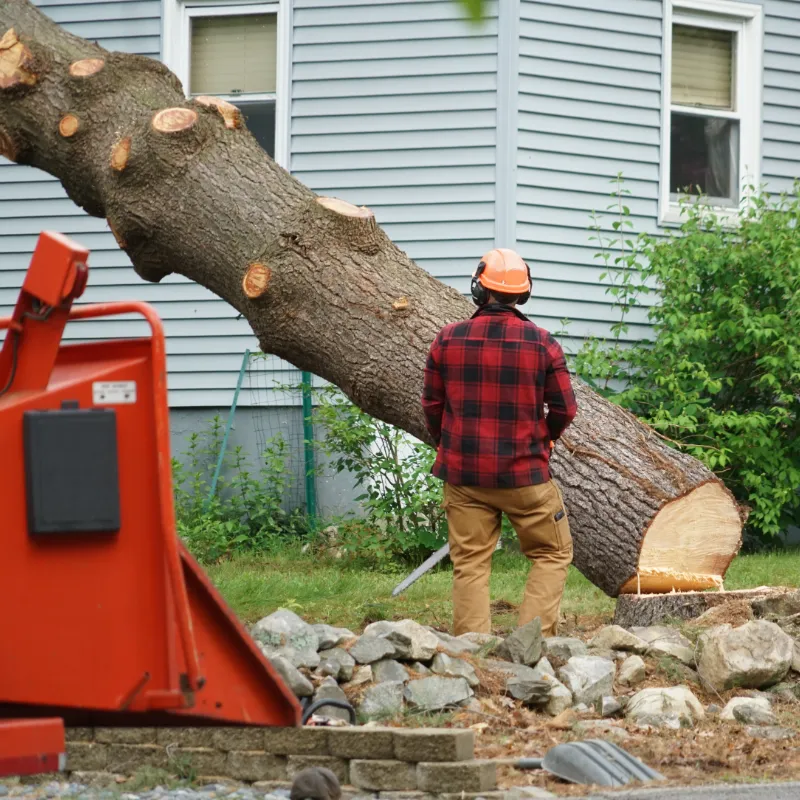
(425, 761)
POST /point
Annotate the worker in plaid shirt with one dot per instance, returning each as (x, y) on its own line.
(487, 381)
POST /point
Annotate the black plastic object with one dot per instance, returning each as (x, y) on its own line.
(592, 761)
(71, 471)
(309, 710)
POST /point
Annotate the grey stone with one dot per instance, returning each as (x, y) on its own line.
(524, 645)
(450, 667)
(780, 605)
(421, 669)
(683, 654)
(632, 671)
(772, 732)
(563, 647)
(410, 639)
(338, 663)
(361, 674)
(754, 655)
(660, 633)
(588, 678)
(796, 657)
(511, 670)
(615, 637)
(283, 628)
(487, 642)
(372, 648)
(544, 667)
(609, 706)
(297, 658)
(331, 691)
(388, 670)
(292, 677)
(531, 693)
(436, 693)
(602, 652)
(603, 727)
(560, 699)
(453, 644)
(382, 700)
(713, 710)
(676, 702)
(669, 719)
(581, 708)
(749, 711)
(330, 637)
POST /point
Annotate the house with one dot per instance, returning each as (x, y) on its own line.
(459, 137)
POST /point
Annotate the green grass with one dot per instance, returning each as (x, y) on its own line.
(350, 595)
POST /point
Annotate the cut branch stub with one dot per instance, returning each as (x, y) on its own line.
(69, 125)
(174, 120)
(86, 67)
(229, 112)
(120, 153)
(354, 224)
(15, 62)
(256, 280)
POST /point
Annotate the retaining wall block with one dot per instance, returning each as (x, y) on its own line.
(125, 735)
(247, 739)
(79, 734)
(256, 766)
(433, 744)
(383, 775)
(375, 743)
(203, 760)
(296, 741)
(185, 737)
(338, 766)
(87, 756)
(461, 776)
(127, 758)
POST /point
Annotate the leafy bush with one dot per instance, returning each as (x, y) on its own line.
(401, 500)
(246, 513)
(720, 376)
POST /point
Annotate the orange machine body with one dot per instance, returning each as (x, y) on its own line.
(117, 627)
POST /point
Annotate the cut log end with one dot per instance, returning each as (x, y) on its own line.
(344, 208)
(86, 67)
(256, 281)
(229, 112)
(174, 120)
(120, 153)
(16, 62)
(689, 544)
(68, 126)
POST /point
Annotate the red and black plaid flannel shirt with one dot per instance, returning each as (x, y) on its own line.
(487, 380)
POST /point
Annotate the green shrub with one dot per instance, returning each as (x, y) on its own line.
(246, 513)
(720, 375)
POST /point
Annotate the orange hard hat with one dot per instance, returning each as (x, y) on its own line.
(504, 271)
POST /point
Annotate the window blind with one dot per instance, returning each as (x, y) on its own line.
(233, 54)
(702, 67)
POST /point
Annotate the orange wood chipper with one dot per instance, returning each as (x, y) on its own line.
(106, 618)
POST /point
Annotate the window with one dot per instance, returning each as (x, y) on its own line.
(234, 52)
(712, 91)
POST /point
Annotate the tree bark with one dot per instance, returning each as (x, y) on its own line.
(186, 188)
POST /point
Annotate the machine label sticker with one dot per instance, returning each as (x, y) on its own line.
(113, 393)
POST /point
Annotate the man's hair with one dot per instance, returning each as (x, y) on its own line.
(506, 299)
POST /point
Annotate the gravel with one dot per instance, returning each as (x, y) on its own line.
(78, 791)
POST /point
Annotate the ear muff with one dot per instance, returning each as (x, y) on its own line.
(523, 298)
(480, 295)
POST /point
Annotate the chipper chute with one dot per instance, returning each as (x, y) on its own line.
(106, 618)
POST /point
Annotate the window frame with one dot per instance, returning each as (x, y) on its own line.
(176, 52)
(747, 21)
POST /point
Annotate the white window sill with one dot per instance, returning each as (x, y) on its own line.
(672, 217)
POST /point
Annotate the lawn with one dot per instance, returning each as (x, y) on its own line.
(325, 590)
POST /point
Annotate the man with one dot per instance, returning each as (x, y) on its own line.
(487, 380)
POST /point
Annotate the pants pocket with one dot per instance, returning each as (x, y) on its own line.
(560, 521)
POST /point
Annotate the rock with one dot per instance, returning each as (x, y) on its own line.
(560, 699)
(749, 711)
(511, 670)
(772, 732)
(297, 658)
(713, 710)
(411, 641)
(531, 693)
(524, 645)
(283, 628)
(330, 637)
(526, 793)
(632, 671)
(602, 727)
(615, 637)
(683, 654)
(450, 667)
(677, 702)
(754, 655)
(544, 667)
(292, 677)
(371, 648)
(361, 675)
(421, 669)
(453, 644)
(588, 678)
(487, 642)
(666, 641)
(796, 657)
(331, 691)
(609, 706)
(436, 693)
(388, 671)
(338, 663)
(563, 647)
(473, 704)
(382, 700)
(669, 720)
(582, 708)
(780, 605)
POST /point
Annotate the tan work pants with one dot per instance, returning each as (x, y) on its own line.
(473, 517)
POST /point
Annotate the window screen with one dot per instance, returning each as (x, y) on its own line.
(232, 55)
(702, 67)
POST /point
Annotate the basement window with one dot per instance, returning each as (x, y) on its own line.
(712, 89)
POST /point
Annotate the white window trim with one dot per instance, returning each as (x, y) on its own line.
(175, 44)
(748, 20)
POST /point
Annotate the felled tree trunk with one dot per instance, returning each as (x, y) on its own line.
(185, 188)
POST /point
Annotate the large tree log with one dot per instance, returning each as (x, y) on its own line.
(185, 188)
